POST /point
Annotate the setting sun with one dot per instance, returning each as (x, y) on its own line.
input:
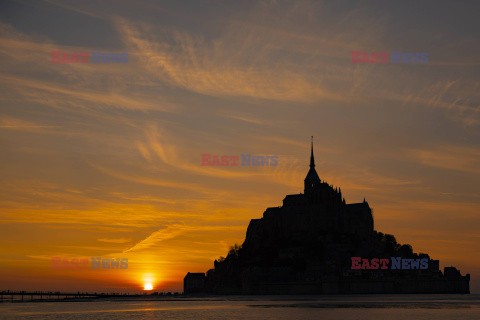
(148, 286)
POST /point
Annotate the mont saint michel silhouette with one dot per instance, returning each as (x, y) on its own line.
(308, 246)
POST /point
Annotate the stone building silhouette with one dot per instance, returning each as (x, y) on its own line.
(194, 283)
(306, 246)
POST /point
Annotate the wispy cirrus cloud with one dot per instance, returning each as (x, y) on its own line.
(458, 158)
(115, 240)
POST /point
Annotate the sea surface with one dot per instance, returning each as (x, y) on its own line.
(361, 307)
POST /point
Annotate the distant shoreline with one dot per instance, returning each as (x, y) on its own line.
(400, 297)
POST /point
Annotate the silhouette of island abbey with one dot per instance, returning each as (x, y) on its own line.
(306, 246)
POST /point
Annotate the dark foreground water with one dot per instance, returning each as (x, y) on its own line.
(391, 307)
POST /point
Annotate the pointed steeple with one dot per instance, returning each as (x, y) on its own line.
(312, 160)
(312, 181)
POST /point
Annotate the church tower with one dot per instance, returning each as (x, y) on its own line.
(312, 181)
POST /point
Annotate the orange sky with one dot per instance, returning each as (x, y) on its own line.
(104, 160)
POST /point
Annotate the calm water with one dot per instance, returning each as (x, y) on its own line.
(391, 307)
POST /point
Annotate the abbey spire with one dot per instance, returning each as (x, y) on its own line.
(312, 181)
(312, 160)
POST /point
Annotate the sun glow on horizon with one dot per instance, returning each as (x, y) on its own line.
(148, 286)
(148, 281)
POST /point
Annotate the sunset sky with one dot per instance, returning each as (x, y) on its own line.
(104, 160)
